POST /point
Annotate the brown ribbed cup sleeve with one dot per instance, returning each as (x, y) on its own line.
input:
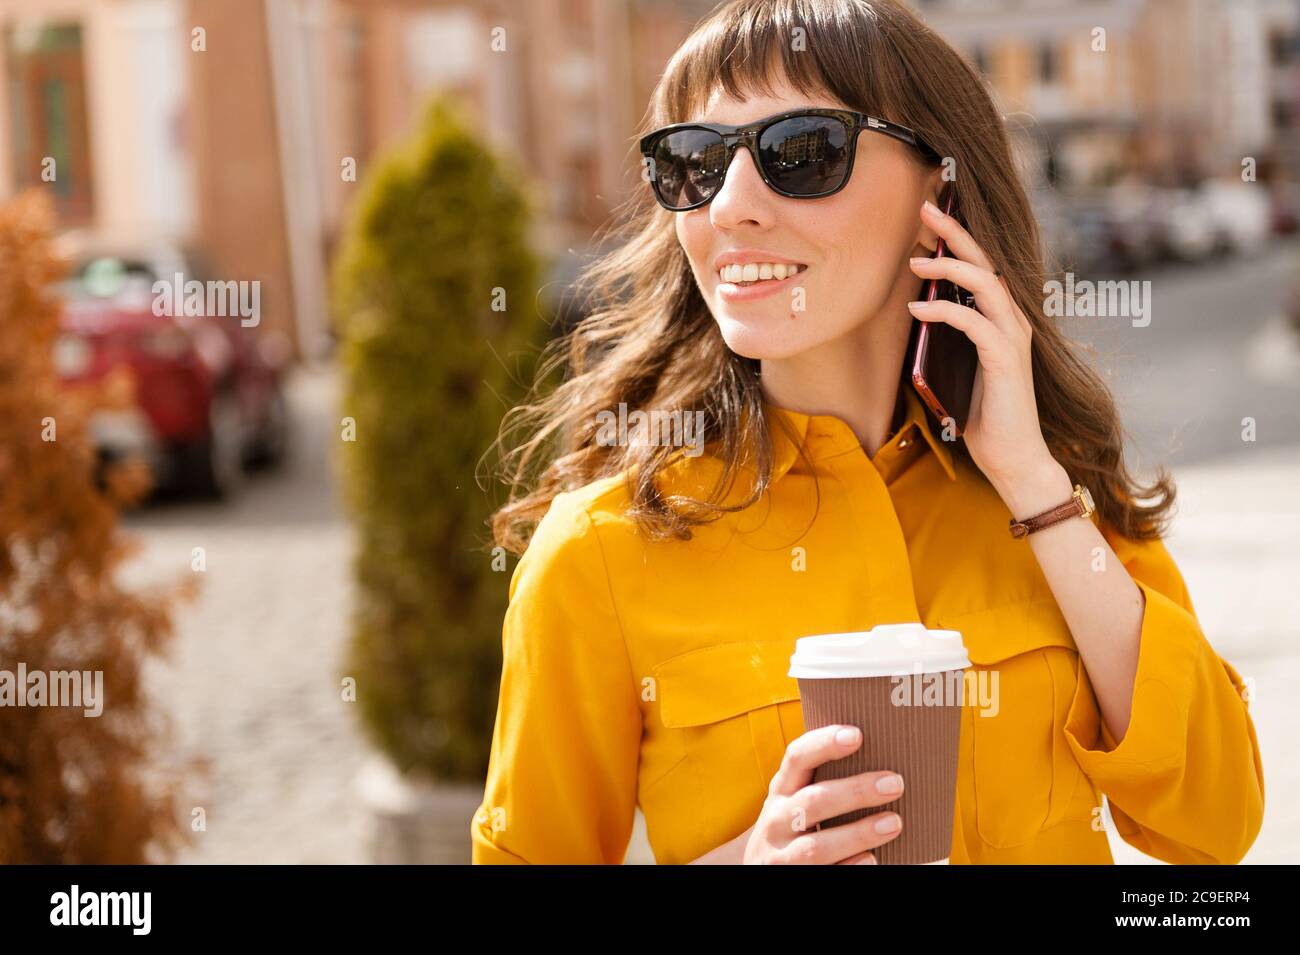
(917, 742)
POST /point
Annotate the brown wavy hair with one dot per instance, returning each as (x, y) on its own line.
(649, 340)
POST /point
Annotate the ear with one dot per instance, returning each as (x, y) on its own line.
(936, 189)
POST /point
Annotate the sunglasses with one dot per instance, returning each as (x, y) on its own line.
(802, 154)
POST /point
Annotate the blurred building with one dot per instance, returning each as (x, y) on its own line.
(151, 121)
(560, 85)
(93, 111)
(228, 125)
(1170, 90)
(225, 125)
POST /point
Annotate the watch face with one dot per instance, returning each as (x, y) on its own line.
(1087, 500)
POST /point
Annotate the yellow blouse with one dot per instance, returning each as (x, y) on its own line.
(653, 674)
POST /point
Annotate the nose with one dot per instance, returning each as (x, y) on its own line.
(743, 196)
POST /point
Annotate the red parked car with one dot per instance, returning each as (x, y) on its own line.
(208, 389)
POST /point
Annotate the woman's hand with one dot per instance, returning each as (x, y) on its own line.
(784, 833)
(1003, 433)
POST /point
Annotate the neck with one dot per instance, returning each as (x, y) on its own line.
(854, 377)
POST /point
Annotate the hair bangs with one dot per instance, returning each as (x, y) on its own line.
(820, 47)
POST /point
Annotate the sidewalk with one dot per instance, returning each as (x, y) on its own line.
(252, 682)
(1236, 539)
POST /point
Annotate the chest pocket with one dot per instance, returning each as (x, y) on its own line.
(735, 706)
(1025, 779)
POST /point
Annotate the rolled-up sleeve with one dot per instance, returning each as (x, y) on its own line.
(1186, 783)
(562, 773)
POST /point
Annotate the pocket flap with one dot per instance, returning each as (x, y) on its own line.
(718, 682)
(1000, 633)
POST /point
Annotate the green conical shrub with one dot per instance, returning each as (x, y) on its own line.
(438, 244)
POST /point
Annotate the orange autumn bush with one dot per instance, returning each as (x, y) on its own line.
(73, 788)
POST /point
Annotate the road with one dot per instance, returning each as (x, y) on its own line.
(1215, 352)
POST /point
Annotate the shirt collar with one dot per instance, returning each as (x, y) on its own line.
(835, 432)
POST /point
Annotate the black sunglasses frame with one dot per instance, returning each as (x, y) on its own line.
(748, 136)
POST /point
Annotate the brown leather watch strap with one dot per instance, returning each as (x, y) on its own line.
(1079, 505)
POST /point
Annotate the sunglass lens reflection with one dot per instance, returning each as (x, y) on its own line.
(805, 155)
(688, 166)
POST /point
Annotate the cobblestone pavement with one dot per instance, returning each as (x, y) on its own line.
(252, 685)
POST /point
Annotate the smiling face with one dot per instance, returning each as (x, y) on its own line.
(851, 247)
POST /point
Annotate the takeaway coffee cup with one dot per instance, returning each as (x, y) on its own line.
(902, 686)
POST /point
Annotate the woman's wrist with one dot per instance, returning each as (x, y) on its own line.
(1036, 489)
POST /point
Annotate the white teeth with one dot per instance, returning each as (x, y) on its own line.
(758, 271)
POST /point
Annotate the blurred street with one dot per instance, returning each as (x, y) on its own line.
(253, 685)
(1217, 350)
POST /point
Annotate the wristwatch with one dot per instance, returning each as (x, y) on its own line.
(1080, 504)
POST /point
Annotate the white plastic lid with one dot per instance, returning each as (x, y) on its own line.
(889, 649)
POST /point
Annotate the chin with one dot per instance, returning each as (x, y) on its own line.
(760, 340)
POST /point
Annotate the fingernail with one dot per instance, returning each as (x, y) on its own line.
(914, 306)
(847, 736)
(888, 824)
(931, 207)
(919, 261)
(869, 860)
(889, 784)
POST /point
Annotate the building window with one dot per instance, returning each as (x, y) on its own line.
(1047, 66)
(1281, 113)
(1278, 45)
(47, 103)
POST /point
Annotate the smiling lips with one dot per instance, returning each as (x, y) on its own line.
(753, 272)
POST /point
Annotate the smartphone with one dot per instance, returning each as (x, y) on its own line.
(941, 361)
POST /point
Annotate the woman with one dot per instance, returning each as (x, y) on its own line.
(653, 614)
